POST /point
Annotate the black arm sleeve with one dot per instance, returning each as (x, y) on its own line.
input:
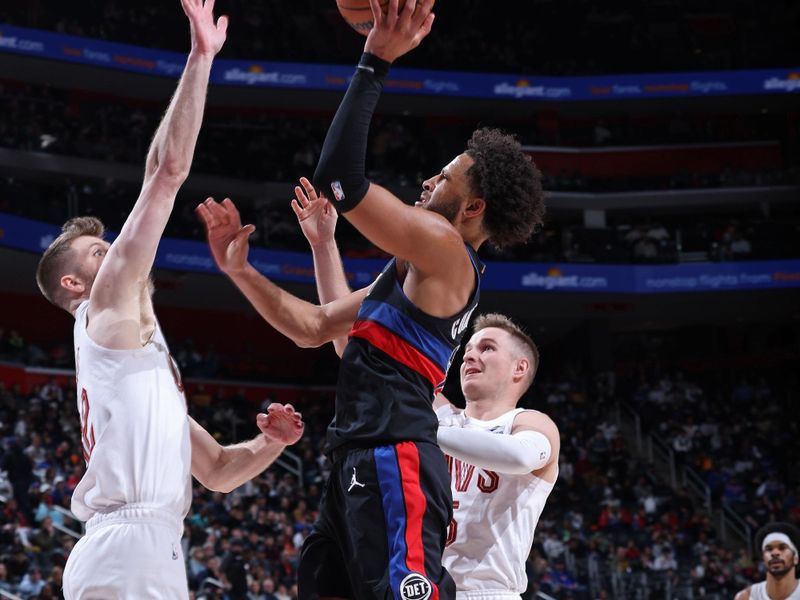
(340, 174)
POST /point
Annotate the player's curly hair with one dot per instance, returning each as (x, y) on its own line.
(55, 261)
(506, 178)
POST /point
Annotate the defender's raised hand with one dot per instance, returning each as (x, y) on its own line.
(281, 423)
(227, 238)
(208, 36)
(397, 31)
(315, 214)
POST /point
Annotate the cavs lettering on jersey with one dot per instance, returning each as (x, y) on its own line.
(494, 517)
(758, 591)
(396, 358)
(134, 427)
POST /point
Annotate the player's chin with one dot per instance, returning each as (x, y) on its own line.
(469, 384)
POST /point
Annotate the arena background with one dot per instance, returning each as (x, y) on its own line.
(662, 290)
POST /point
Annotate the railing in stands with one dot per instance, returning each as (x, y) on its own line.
(68, 514)
(694, 484)
(628, 419)
(292, 463)
(731, 524)
(209, 582)
(9, 595)
(661, 455)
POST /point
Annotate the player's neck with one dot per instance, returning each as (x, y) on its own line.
(487, 409)
(75, 303)
(781, 588)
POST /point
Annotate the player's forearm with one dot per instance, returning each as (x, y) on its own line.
(340, 173)
(514, 454)
(174, 142)
(329, 271)
(300, 321)
(331, 280)
(240, 463)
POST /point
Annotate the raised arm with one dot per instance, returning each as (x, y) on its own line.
(130, 258)
(423, 238)
(223, 469)
(317, 220)
(306, 324)
(532, 446)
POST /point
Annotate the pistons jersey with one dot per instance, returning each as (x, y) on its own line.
(494, 517)
(395, 361)
(134, 427)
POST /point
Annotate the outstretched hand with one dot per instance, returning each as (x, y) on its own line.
(281, 423)
(315, 214)
(207, 36)
(227, 238)
(397, 31)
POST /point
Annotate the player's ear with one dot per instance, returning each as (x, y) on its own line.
(73, 283)
(474, 207)
(521, 367)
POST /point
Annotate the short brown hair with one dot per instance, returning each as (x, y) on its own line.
(506, 324)
(55, 261)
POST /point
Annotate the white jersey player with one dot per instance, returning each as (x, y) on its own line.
(139, 443)
(503, 462)
(778, 543)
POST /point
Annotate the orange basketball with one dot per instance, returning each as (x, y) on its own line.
(358, 14)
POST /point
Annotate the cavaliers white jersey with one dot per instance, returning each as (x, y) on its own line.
(758, 591)
(134, 427)
(494, 517)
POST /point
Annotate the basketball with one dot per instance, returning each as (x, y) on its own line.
(358, 13)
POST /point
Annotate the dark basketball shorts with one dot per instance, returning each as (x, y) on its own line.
(382, 527)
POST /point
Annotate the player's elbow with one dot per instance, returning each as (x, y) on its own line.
(172, 171)
(307, 342)
(312, 337)
(213, 482)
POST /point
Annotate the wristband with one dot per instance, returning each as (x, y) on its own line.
(374, 64)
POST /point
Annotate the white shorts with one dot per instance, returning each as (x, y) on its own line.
(131, 553)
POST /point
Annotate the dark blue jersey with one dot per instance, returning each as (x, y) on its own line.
(395, 361)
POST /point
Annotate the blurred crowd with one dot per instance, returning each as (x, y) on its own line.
(266, 145)
(626, 238)
(613, 527)
(735, 436)
(623, 37)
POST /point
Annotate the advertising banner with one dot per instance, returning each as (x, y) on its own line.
(100, 53)
(187, 255)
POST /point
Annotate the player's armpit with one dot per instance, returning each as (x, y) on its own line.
(338, 316)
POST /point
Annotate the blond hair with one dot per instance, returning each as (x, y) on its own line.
(524, 341)
(56, 260)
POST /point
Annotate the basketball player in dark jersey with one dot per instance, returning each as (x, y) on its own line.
(386, 507)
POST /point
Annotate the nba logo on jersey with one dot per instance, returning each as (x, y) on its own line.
(415, 587)
(338, 192)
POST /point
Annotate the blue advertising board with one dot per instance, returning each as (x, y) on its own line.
(186, 255)
(100, 53)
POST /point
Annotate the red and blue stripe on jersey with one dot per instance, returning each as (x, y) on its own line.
(389, 329)
(396, 359)
(404, 507)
